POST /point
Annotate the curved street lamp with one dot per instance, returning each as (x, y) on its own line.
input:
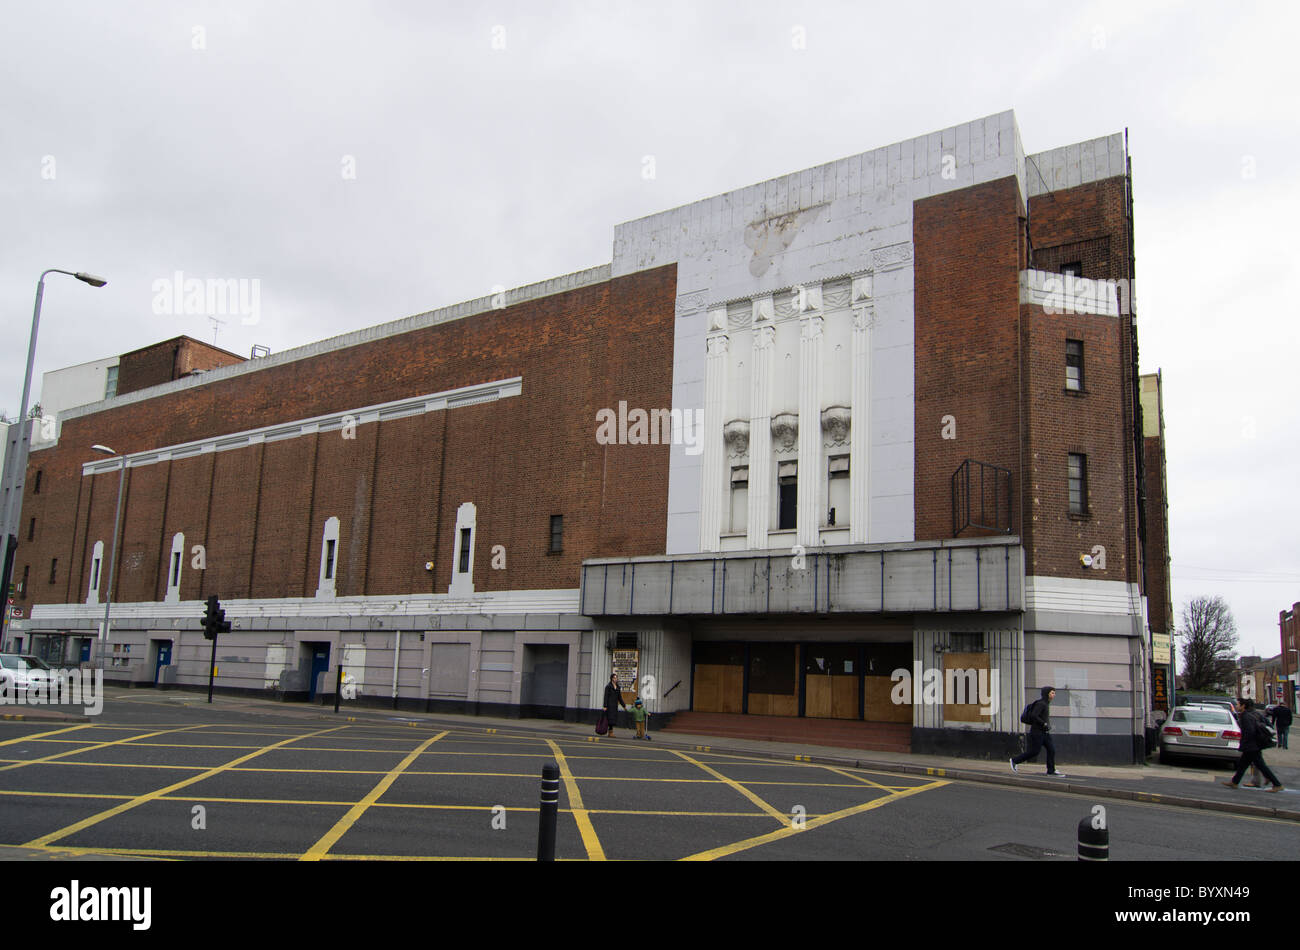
(19, 468)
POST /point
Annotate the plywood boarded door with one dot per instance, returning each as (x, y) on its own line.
(719, 677)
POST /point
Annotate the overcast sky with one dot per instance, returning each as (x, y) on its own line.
(365, 162)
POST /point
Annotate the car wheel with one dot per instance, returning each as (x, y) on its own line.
(1165, 757)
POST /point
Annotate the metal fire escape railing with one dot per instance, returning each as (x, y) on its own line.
(981, 498)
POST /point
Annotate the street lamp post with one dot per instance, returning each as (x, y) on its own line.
(112, 560)
(19, 467)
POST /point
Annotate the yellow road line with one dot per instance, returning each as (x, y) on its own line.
(41, 735)
(65, 795)
(865, 781)
(745, 845)
(153, 796)
(93, 747)
(318, 850)
(778, 815)
(589, 840)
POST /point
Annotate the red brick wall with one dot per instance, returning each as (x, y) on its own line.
(1059, 422)
(1159, 604)
(1089, 223)
(967, 249)
(260, 511)
(171, 359)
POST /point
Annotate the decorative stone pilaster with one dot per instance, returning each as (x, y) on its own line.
(860, 432)
(713, 481)
(809, 518)
(760, 432)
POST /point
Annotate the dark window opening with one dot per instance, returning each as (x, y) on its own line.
(31, 529)
(176, 568)
(54, 569)
(557, 533)
(329, 559)
(788, 496)
(1074, 365)
(1073, 269)
(463, 566)
(966, 642)
(1078, 476)
(36, 489)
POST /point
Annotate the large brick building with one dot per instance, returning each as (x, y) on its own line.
(905, 435)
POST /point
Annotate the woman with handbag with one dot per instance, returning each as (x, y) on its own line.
(613, 699)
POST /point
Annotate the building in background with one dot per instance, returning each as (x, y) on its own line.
(1288, 623)
(870, 421)
(1154, 531)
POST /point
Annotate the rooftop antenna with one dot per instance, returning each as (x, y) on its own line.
(216, 326)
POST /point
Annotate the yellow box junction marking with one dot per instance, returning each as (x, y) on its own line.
(778, 815)
(317, 851)
(745, 845)
(85, 823)
(42, 735)
(589, 840)
(94, 746)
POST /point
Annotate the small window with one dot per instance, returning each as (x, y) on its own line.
(1074, 365)
(36, 488)
(176, 568)
(22, 588)
(557, 533)
(31, 529)
(94, 574)
(1078, 476)
(1073, 269)
(838, 490)
(788, 489)
(966, 642)
(110, 389)
(463, 567)
(739, 498)
(329, 559)
(54, 569)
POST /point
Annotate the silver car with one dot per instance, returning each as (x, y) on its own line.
(20, 672)
(1203, 731)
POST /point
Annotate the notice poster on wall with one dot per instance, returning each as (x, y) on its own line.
(1159, 689)
(626, 665)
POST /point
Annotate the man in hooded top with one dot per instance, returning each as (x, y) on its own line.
(1040, 737)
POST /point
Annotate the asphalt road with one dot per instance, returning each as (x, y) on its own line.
(187, 781)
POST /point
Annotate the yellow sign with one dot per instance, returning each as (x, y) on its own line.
(1161, 648)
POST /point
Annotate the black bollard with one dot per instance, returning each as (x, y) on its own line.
(550, 806)
(1094, 843)
(338, 688)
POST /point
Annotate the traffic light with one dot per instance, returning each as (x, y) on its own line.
(214, 619)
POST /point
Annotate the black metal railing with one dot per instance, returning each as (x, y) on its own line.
(981, 498)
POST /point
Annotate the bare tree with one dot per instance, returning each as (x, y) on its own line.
(1209, 638)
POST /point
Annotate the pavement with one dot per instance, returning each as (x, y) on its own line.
(1189, 785)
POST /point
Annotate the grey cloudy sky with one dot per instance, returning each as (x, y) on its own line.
(500, 144)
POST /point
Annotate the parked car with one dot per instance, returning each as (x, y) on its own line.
(21, 672)
(1202, 731)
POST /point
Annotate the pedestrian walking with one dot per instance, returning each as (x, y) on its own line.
(613, 699)
(639, 717)
(1037, 716)
(1253, 739)
(1282, 720)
